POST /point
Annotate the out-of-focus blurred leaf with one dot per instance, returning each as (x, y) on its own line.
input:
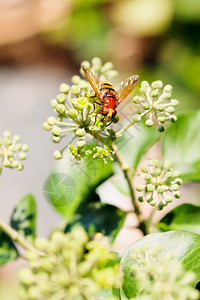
(99, 217)
(143, 17)
(23, 218)
(8, 251)
(184, 217)
(136, 141)
(73, 184)
(185, 247)
(181, 145)
(187, 10)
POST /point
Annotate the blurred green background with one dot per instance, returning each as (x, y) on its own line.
(42, 43)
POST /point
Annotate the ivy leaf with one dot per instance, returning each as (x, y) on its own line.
(99, 217)
(184, 217)
(23, 218)
(185, 247)
(181, 145)
(72, 185)
(8, 251)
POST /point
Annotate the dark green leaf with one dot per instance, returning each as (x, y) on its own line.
(185, 247)
(184, 217)
(181, 145)
(8, 251)
(72, 184)
(23, 218)
(99, 217)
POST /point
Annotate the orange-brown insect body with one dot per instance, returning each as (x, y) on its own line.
(108, 98)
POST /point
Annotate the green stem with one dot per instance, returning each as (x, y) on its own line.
(16, 237)
(127, 174)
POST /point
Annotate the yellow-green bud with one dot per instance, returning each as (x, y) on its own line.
(64, 88)
(144, 169)
(80, 132)
(137, 99)
(57, 154)
(53, 103)
(157, 171)
(175, 187)
(15, 164)
(146, 106)
(56, 131)
(149, 123)
(177, 194)
(6, 163)
(85, 63)
(170, 109)
(16, 138)
(7, 134)
(112, 74)
(161, 189)
(76, 79)
(150, 188)
(8, 141)
(46, 126)
(168, 88)
(107, 67)
(174, 102)
(161, 119)
(22, 156)
(167, 96)
(72, 113)
(96, 62)
(75, 89)
(154, 93)
(81, 144)
(139, 188)
(26, 276)
(41, 244)
(60, 108)
(25, 147)
(136, 118)
(60, 98)
(10, 153)
(158, 84)
(161, 107)
(168, 198)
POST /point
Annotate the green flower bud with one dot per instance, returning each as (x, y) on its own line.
(57, 154)
(136, 118)
(139, 188)
(173, 118)
(174, 102)
(55, 139)
(154, 93)
(22, 156)
(158, 84)
(41, 244)
(156, 162)
(175, 187)
(51, 121)
(16, 138)
(116, 119)
(107, 67)
(46, 126)
(7, 134)
(72, 113)
(25, 147)
(112, 74)
(56, 131)
(168, 88)
(7, 141)
(161, 189)
(169, 174)
(150, 200)
(168, 198)
(6, 163)
(46, 264)
(167, 96)
(64, 88)
(150, 162)
(34, 293)
(157, 171)
(31, 256)
(161, 128)
(143, 90)
(85, 63)
(10, 153)
(96, 62)
(146, 106)
(149, 123)
(81, 144)
(80, 132)
(148, 177)
(26, 276)
(170, 109)
(83, 84)
(177, 194)
(18, 147)
(75, 89)
(152, 203)
(145, 84)
(161, 107)
(137, 99)
(144, 169)
(161, 119)
(150, 188)
(53, 103)
(140, 199)
(76, 79)
(20, 167)
(15, 164)
(60, 98)
(60, 108)
(178, 181)
(159, 206)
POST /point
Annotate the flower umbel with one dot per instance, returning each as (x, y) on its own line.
(160, 277)
(157, 103)
(72, 267)
(161, 183)
(11, 151)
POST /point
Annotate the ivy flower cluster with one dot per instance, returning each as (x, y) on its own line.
(157, 103)
(71, 267)
(160, 277)
(161, 183)
(76, 114)
(11, 151)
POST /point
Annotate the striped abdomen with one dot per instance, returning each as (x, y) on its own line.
(108, 98)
